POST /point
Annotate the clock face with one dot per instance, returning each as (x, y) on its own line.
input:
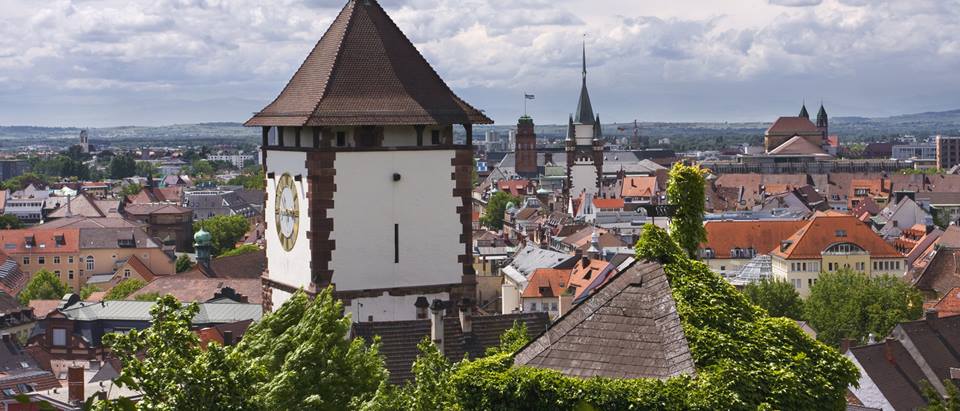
(287, 210)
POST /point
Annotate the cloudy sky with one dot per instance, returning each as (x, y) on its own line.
(154, 62)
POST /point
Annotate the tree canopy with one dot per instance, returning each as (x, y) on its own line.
(225, 230)
(10, 221)
(183, 263)
(685, 191)
(779, 298)
(124, 288)
(496, 206)
(849, 304)
(44, 285)
(122, 166)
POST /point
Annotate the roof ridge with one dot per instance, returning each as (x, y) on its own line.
(333, 65)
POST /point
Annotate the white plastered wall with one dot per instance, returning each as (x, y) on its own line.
(367, 204)
(583, 176)
(288, 267)
(388, 308)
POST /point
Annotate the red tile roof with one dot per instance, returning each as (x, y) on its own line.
(797, 146)
(608, 203)
(786, 125)
(364, 71)
(826, 229)
(514, 187)
(763, 236)
(642, 186)
(547, 282)
(14, 241)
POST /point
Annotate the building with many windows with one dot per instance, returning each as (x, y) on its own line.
(830, 242)
(948, 152)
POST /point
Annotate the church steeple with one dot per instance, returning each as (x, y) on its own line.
(584, 113)
(803, 111)
(822, 117)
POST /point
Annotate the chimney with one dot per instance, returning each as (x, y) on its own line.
(584, 261)
(422, 307)
(871, 339)
(845, 344)
(931, 315)
(227, 337)
(75, 384)
(436, 324)
(888, 350)
(466, 315)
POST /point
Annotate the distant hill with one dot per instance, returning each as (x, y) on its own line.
(683, 136)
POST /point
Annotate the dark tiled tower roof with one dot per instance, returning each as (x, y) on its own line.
(584, 109)
(803, 112)
(822, 117)
(364, 71)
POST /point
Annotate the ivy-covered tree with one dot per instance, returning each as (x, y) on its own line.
(496, 206)
(849, 304)
(685, 191)
(225, 230)
(124, 288)
(44, 285)
(779, 298)
(937, 402)
(243, 249)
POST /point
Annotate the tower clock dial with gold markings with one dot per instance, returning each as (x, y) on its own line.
(287, 209)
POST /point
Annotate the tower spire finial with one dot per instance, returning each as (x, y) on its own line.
(584, 56)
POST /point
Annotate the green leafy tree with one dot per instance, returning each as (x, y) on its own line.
(130, 190)
(183, 263)
(122, 166)
(511, 340)
(147, 297)
(22, 181)
(167, 364)
(225, 231)
(10, 221)
(147, 169)
(243, 249)
(937, 402)
(779, 298)
(88, 290)
(124, 288)
(496, 206)
(44, 285)
(250, 181)
(848, 304)
(305, 359)
(685, 190)
(201, 168)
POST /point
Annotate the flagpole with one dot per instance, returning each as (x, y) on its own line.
(524, 103)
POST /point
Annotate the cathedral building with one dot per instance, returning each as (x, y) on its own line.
(786, 128)
(584, 146)
(367, 191)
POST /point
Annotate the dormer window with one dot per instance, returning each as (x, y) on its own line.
(841, 233)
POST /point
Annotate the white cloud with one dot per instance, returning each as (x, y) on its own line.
(660, 60)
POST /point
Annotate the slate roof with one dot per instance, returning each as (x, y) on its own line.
(248, 265)
(99, 238)
(364, 71)
(12, 278)
(629, 328)
(210, 313)
(399, 339)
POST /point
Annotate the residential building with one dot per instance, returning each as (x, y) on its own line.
(192, 288)
(238, 160)
(896, 217)
(15, 319)
(171, 223)
(22, 374)
(105, 250)
(633, 312)
(75, 330)
(378, 110)
(517, 273)
(10, 168)
(830, 242)
(936, 270)
(915, 151)
(211, 203)
(948, 152)
(731, 245)
(639, 190)
(893, 370)
(548, 291)
(54, 250)
(944, 207)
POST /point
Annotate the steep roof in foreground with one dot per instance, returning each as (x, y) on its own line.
(364, 71)
(629, 328)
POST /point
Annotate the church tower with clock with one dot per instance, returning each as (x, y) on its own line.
(367, 191)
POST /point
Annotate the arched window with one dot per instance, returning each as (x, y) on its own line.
(89, 263)
(844, 248)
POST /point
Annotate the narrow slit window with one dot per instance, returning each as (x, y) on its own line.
(396, 243)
